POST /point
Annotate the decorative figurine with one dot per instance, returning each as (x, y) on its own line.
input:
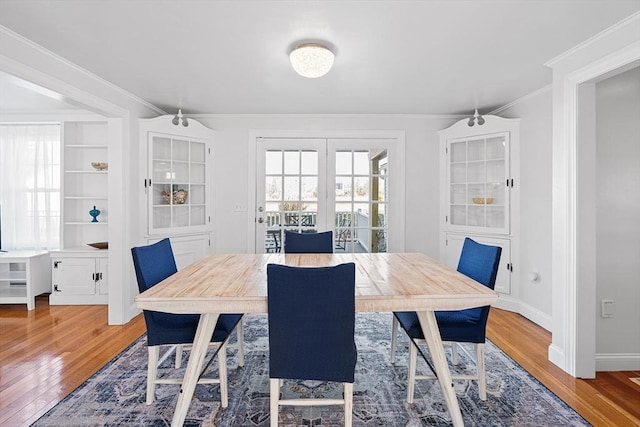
(94, 213)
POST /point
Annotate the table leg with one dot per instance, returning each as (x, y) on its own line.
(194, 366)
(436, 349)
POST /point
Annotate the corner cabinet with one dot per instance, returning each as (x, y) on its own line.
(478, 189)
(85, 186)
(177, 181)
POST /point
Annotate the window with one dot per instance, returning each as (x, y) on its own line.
(30, 185)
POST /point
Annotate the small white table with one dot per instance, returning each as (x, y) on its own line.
(23, 276)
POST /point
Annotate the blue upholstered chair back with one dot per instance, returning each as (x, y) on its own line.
(303, 243)
(153, 264)
(479, 262)
(312, 322)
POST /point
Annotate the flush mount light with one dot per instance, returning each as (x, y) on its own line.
(311, 60)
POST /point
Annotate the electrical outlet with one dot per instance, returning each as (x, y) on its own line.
(607, 308)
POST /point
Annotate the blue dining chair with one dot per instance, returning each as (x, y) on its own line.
(304, 243)
(480, 263)
(153, 264)
(311, 331)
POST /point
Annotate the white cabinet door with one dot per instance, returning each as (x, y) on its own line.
(74, 276)
(453, 249)
(102, 268)
(478, 183)
(178, 173)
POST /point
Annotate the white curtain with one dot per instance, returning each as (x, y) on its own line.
(30, 186)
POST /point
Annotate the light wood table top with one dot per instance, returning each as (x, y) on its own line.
(237, 283)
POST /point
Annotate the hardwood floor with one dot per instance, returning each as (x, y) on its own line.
(611, 399)
(48, 352)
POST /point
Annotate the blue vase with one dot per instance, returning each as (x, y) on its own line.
(94, 213)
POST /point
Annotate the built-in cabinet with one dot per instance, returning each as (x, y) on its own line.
(177, 192)
(79, 270)
(479, 187)
(79, 277)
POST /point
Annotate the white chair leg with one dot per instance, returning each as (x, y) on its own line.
(454, 353)
(274, 396)
(413, 355)
(178, 355)
(222, 369)
(240, 340)
(152, 372)
(482, 373)
(394, 339)
(348, 404)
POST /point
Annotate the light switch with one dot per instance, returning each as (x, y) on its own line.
(607, 308)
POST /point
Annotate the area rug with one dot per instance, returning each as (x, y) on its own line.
(115, 396)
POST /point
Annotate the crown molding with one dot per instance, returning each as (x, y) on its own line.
(532, 95)
(630, 20)
(71, 65)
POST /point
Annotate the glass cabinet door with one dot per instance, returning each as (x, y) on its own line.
(178, 192)
(478, 193)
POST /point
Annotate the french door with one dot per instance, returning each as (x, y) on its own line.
(319, 184)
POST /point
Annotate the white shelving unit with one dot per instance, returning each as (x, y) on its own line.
(477, 190)
(84, 187)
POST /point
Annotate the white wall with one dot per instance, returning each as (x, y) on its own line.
(534, 298)
(618, 216)
(231, 170)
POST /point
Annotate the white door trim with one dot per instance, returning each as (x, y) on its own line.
(570, 350)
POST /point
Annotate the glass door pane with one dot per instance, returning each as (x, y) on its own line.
(178, 197)
(360, 200)
(478, 196)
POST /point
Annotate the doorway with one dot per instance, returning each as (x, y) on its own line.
(352, 186)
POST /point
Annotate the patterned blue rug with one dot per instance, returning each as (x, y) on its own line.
(115, 396)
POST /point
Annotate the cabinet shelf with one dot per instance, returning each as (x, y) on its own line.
(85, 223)
(13, 276)
(85, 171)
(86, 198)
(86, 146)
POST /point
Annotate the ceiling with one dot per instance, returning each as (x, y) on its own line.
(392, 57)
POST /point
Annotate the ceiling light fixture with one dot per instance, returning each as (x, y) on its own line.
(311, 60)
(476, 118)
(180, 118)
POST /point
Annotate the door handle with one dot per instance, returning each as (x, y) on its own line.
(260, 220)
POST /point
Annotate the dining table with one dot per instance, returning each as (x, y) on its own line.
(385, 282)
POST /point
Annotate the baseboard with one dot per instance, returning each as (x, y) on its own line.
(618, 362)
(556, 356)
(505, 302)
